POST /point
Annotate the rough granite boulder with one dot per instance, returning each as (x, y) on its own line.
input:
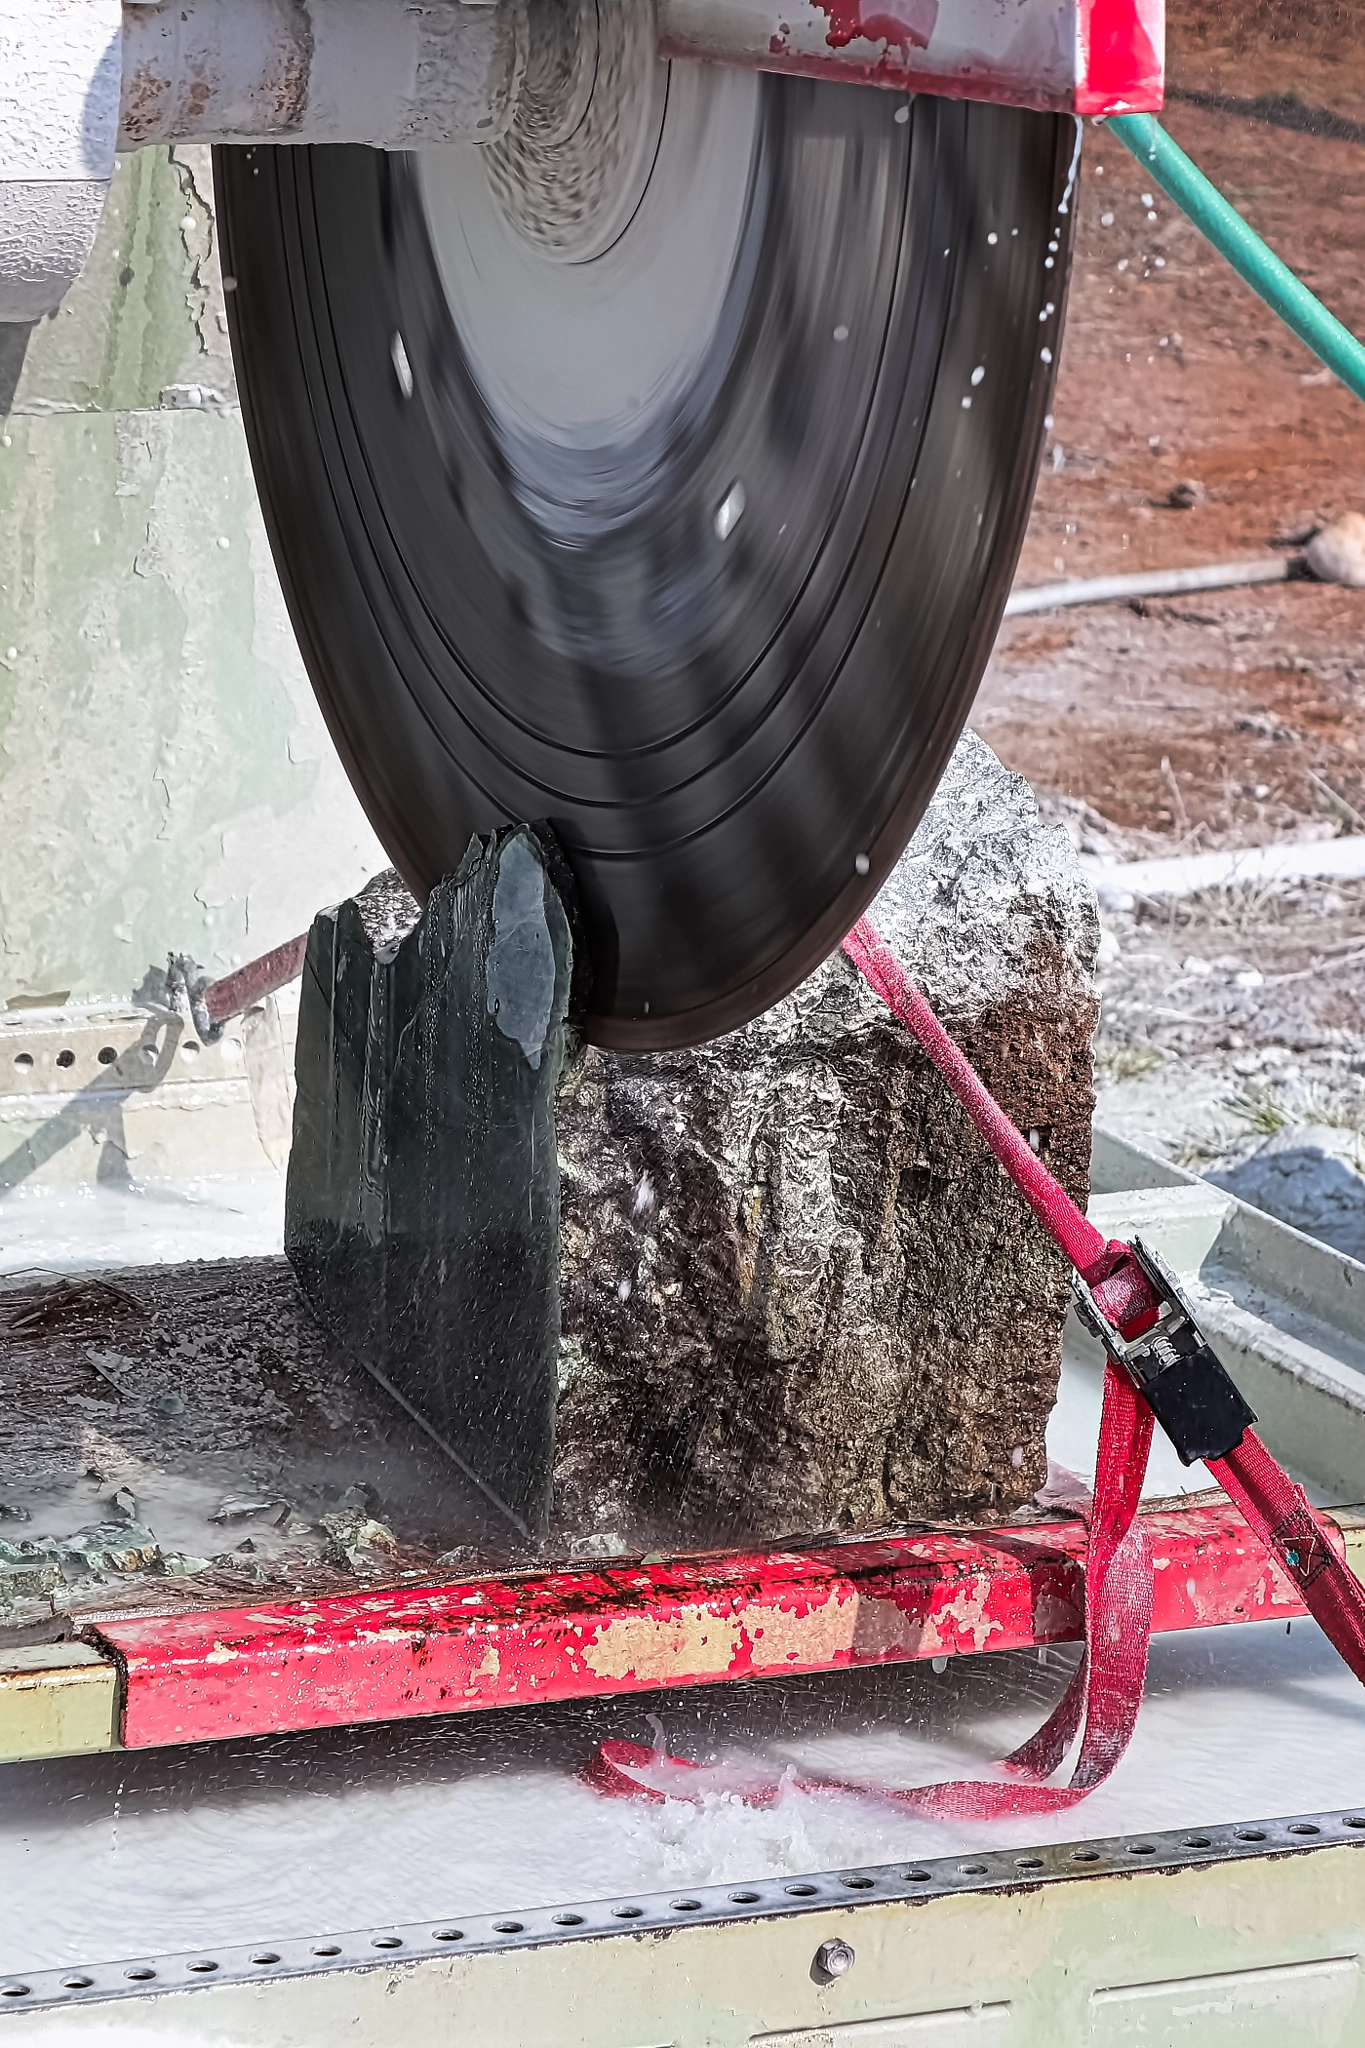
(797, 1293)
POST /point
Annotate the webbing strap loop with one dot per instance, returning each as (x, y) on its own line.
(1133, 1297)
(1127, 1286)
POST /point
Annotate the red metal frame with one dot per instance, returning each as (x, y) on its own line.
(1073, 56)
(573, 1634)
(1121, 66)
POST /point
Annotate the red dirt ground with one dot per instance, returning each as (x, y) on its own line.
(1172, 370)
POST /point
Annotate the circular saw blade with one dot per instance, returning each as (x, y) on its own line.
(676, 508)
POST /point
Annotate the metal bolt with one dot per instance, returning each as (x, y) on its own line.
(833, 1959)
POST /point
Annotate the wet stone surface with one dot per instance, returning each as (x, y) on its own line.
(422, 1211)
(772, 1287)
(187, 1436)
(798, 1294)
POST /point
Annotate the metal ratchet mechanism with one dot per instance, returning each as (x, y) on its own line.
(1173, 1366)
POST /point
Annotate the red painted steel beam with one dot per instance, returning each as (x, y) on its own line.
(403, 1651)
(254, 982)
(1072, 56)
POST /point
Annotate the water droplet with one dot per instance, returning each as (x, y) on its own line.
(1106, 220)
(939, 1664)
(978, 373)
(966, 405)
(992, 238)
(731, 511)
(862, 865)
(1045, 355)
(902, 116)
(841, 332)
(402, 368)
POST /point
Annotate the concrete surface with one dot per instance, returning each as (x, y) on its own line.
(166, 780)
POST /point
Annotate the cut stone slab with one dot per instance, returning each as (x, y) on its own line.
(422, 1206)
(798, 1294)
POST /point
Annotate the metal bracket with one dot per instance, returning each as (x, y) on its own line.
(1173, 1366)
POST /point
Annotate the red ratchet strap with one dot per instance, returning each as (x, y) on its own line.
(1160, 1369)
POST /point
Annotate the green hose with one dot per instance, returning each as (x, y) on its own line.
(1205, 205)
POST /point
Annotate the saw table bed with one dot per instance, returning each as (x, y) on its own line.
(302, 1821)
(215, 1527)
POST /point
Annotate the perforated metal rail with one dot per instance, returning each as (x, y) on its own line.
(1010, 1870)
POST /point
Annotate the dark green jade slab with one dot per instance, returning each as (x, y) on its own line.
(422, 1208)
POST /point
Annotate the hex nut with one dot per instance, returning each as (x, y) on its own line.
(833, 1959)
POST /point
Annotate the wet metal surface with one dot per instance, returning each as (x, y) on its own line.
(982, 1874)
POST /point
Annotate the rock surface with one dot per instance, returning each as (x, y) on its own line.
(1336, 553)
(787, 1289)
(1309, 1175)
(797, 1293)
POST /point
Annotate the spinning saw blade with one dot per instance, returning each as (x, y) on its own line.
(659, 471)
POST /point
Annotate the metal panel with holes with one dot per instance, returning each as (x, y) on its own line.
(1244, 1934)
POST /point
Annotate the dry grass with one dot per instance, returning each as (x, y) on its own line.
(1115, 1062)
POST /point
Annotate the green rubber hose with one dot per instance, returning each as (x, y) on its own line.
(1205, 205)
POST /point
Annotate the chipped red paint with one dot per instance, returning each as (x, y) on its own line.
(404, 1651)
(995, 84)
(905, 27)
(1063, 56)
